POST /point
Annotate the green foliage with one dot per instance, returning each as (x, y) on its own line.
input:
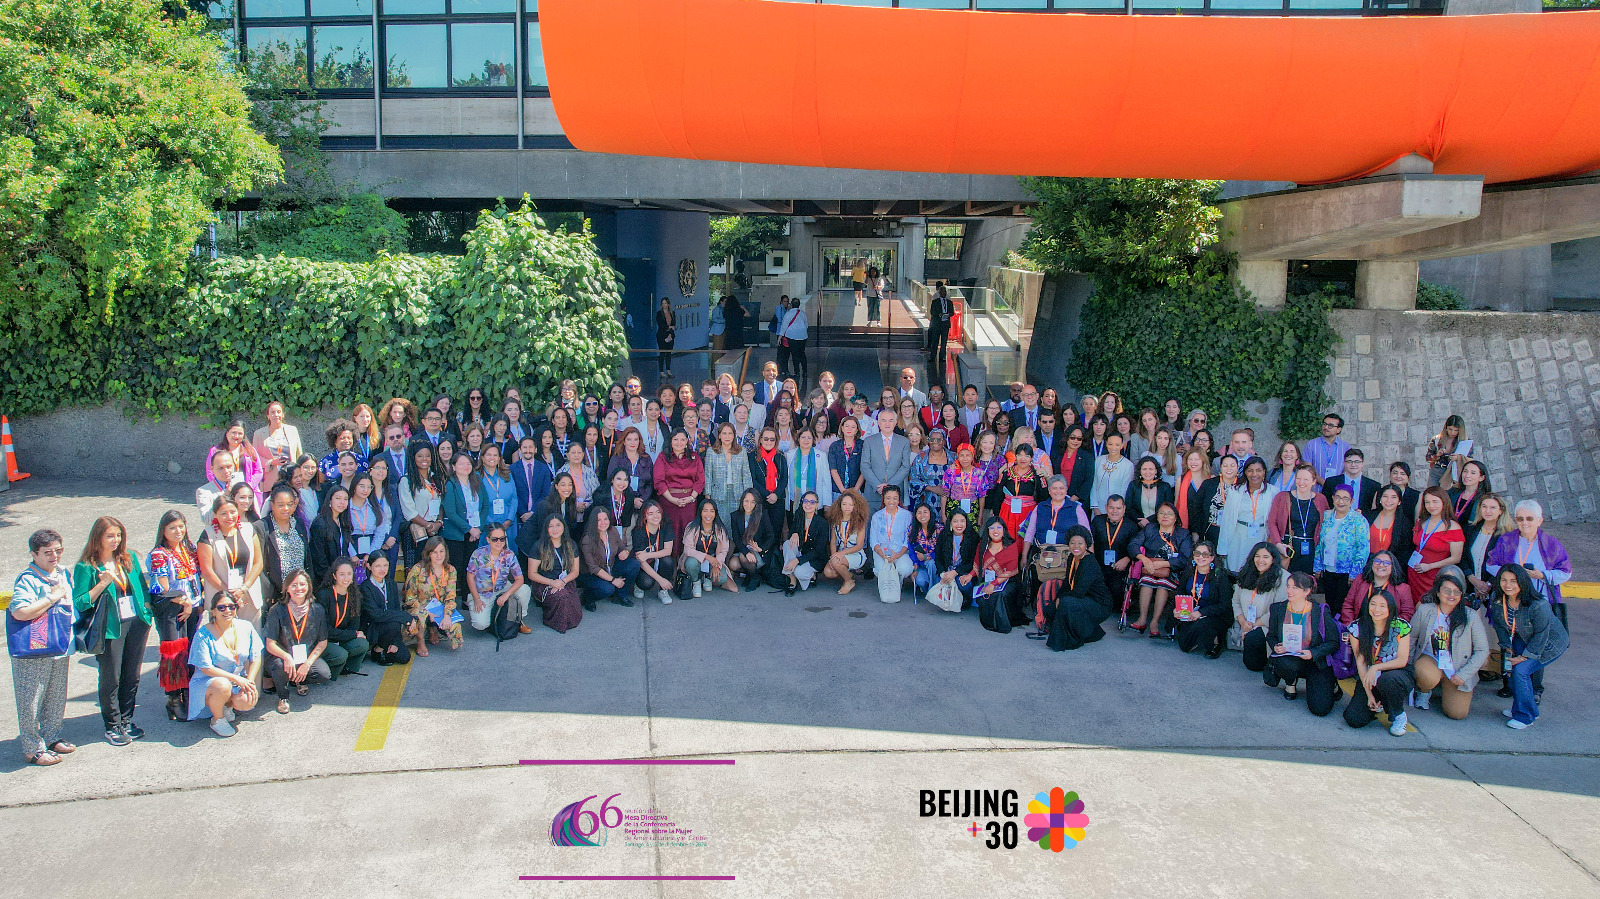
(745, 236)
(352, 230)
(525, 306)
(1165, 319)
(119, 130)
(1439, 297)
(1141, 232)
(1572, 4)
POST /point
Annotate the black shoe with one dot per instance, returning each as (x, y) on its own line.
(1214, 652)
(356, 673)
(789, 590)
(1505, 691)
(1290, 694)
(621, 600)
(175, 708)
(134, 731)
(588, 605)
(1269, 675)
(1538, 696)
(116, 737)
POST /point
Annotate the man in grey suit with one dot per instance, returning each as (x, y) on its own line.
(908, 387)
(886, 460)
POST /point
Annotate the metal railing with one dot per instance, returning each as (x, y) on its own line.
(975, 304)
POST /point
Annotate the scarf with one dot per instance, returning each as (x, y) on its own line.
(1183, 499)
(769, 459)
(804, 475)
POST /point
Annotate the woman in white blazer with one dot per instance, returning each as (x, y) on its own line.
(1244, 515)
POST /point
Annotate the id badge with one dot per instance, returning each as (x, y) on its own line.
(1050, 537)
(433, 509)
(1415, 560)
(988, 575)
(499, 509)
(125, 607)
(1111, 557)
(1250, 613)
(232, 579)
(297, 653)
(1302, 546)
(966, 506)
(633, 483)
(1016, 505)
(1291, 638)
(363, 545)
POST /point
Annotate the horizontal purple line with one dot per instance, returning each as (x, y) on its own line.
(626, 877)
(625, 762)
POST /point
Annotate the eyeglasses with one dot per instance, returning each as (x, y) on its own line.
(1383, 562)
(497, 539)
(225, 607)
(590, 403)
(908, 377)
(808, 502)
(768, 440)
(1525, 518)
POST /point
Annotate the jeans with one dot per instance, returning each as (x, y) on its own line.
(927, 573)
(346, 657)
(597, 588)
(1526, 678)
(873, 307)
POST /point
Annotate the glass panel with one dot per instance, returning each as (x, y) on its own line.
(1246, 4)
(483, 55)
(344, 55)
(1325, 4)
(277, 54)
(1087, 4)
(220, 9)
(839, 262)
(272, 9)
(1168, 4)
(466, 7)
(535, 58)
(860, 2)
(413, 7)
(531, 5)
(341, 7)
(416, 55)
(933, 4)
(1016, 4)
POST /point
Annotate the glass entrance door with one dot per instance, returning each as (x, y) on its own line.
(839, 260)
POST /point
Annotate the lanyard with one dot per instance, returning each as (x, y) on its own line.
(342, 606)
(1172, 548)
(1072, 573)
(1111, 536)
(1302, 510)
(1462, 503)
(359, 520)
(298, 632)
(1254, 499)
(655, 541)
(1197, 585)
(233, 551)
(706, 542)
(1524, 554)
(1426, 533)
(1055, 516)
(840, 541)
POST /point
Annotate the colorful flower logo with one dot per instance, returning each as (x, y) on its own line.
(1056, 820)
(564, 830)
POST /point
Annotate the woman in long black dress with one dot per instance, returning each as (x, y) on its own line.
(666, 336)
(1082, 600)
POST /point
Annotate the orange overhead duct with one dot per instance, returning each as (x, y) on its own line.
(1508, 97)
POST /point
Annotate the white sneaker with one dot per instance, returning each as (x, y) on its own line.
(223, 728)
(666, 597)
(638, 592)
(1506, 712)
(1398, 726)
(696, 592)
(1420, 699)
(1514, 724)
(227, 711)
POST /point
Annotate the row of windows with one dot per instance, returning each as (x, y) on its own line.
(423, 55)
(278, 9)
(1140, 4)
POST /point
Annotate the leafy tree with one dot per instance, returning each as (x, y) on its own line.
(745, 236)
(120, 129)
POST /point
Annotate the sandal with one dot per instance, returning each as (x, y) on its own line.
(62, 747)
(422, 650)
(283, 706)
(301, 689)
(44, 758)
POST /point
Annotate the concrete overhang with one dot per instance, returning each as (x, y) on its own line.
(602, 177)
(1328, 222)
(1512, 217)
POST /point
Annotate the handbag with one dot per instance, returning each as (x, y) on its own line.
(945, 595)
(89, 631)
(1050, 563)
(47, 636)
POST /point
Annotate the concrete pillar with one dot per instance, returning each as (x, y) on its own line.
(1266, 279)
(1386, 285)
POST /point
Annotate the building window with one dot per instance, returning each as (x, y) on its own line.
(278, 53)
(483, 54)
(416, 55)
(344, 56)
(535, 56)
(345, 8)
(944, 240)
(275, 9)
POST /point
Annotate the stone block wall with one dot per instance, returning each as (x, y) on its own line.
(1527, 384)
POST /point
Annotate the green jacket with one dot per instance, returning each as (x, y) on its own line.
(85, 576)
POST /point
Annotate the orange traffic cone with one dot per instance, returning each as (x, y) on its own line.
(12, 474)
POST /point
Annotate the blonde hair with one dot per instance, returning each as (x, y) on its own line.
(1505, 524)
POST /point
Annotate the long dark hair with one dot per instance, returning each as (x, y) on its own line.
(546, 552)
(1005, 535)
(413, 478)
(931, 529)
(1261, 581)
(167, 518)
(342, 523)
(327, 576)
(753, 519)
(1367, 629)
(1525, 594)
(374, 499)
(1458, 615)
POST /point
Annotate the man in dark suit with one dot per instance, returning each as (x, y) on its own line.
(769, 385)
(393, 451)
(1026, 413)
(1050, 441)
(1365, 489)
(533, 480)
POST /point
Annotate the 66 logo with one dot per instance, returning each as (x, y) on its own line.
(574, 826)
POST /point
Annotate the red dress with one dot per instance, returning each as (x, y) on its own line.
(1435, 547)
(686, 475)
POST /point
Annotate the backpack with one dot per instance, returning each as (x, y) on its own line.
(506, 621)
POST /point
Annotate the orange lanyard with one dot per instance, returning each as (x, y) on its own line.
(1072, 573)
(304, 619)
(1111, 536)
(340, 609)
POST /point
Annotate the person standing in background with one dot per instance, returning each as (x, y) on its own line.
(39, 638)
(794, 328)
(666, 336)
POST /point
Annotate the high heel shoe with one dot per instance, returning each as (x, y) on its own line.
(177, 706)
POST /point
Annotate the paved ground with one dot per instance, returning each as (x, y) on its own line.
(837, 711)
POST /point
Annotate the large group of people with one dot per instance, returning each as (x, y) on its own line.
(1036, 512)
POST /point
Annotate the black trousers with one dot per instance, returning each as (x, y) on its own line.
(119, 673)
(938, 346)
(1322, 688)
(665, 566)
(1205, 634)
(1334, 589)
(385, 634)
(1393, 689)
(798, 366)
(460, 554)
(1255, 649)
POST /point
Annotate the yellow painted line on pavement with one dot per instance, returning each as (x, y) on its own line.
(376, 731)
(1580, 590)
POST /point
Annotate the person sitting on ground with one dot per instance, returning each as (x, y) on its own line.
(341, 602)
(383, 616)
(999, 598)
(889, 537)
(226, 654)
(553, 569)
(752, 538)
(1531, 634)
(430, 596)
(807, 549)
(1452, 644)
(296, 634)
(494, 578)
(1302, 635)
(847, 540)
(608, 563)
(1382, 574)
(653, 546)
(705, 552)
(1082, 601)
(1381, 641)
(1204, 604)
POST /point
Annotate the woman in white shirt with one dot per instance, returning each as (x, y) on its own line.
(1112, 474)
(1244, 515)
(808, 471)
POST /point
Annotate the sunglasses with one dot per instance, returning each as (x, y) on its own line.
(225, 607)
(497, 539)
(808, 502)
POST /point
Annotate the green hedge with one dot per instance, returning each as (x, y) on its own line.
(524, 307)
